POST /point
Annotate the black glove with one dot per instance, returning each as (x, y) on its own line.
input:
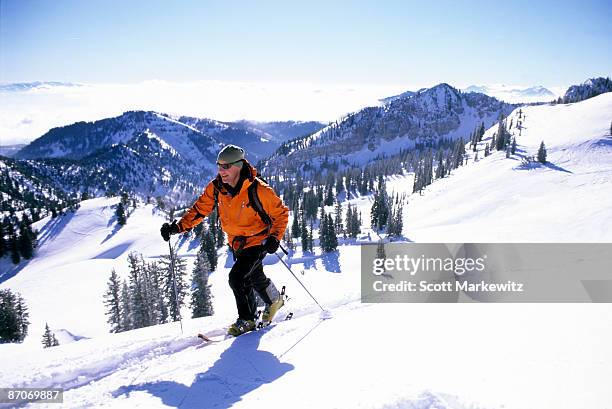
(168, 229)
(271, 244)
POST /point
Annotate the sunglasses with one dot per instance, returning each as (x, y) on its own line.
(226, 166)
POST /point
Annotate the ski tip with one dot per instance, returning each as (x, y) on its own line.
(325, 315)
(204, 338)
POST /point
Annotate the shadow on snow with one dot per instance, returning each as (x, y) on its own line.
(240, 369)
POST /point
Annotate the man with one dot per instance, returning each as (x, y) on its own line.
(250, 233)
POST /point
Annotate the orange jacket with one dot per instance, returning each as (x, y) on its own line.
(238, 218)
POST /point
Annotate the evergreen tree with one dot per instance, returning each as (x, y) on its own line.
(380, 206)
(48, 339)
(13, 317)
(174, 294)
(4, 248)
(353, 222)
(513, 148)
(349, 216)
(138, 294)
(22, 313)
(310, 239)
(339, 185)
(329, 196)
(418, 179)
(112, 301)
(481, 131)
(305, 236)
(487, 151)
(396, 223)
(323, 234)
(295, 225)
(440, 168)
(120, 213)
(207, 246)
(331, 240)
(380, 250)
(126, 308)
(14, 249)
(501, 139)
(159, 305)
(338, 226)
(201, 297)
(542, 153)
(26, 240)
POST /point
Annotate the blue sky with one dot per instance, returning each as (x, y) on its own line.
(384, 42)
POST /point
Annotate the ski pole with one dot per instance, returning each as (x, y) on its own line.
(176, 304)
(298, 280)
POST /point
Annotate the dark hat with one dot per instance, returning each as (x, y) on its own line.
(231, 154)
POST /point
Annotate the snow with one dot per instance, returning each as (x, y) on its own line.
(500, 201)
(417, 356)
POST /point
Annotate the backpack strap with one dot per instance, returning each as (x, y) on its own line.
(256, 203)
(216, 190)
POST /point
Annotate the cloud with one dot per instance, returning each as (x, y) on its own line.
(28, 114)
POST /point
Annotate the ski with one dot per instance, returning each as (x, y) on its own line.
(213, 338)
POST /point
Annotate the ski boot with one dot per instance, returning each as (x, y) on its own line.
(271, 309)
(240, 327)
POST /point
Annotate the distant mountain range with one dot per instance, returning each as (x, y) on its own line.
(25, 86)
(155, 154)
(149, 153)
(514, 94)
(11, 150)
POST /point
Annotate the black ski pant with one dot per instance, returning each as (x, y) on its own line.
(244, 286)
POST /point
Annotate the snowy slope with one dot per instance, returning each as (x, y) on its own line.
(64, 283)
(438, 356)
(499, 200)
(365, 356)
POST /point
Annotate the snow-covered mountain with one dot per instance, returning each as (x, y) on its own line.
(416, 356)
(85, 138)
(145, 152)
(514, 93)
(26, 186)
(36, 85)
(588, 89)
(10, 150)
(280, 131)
(429, 115)
(260, 139)
(402, 95)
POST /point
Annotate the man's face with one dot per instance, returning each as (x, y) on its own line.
(229, 176)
